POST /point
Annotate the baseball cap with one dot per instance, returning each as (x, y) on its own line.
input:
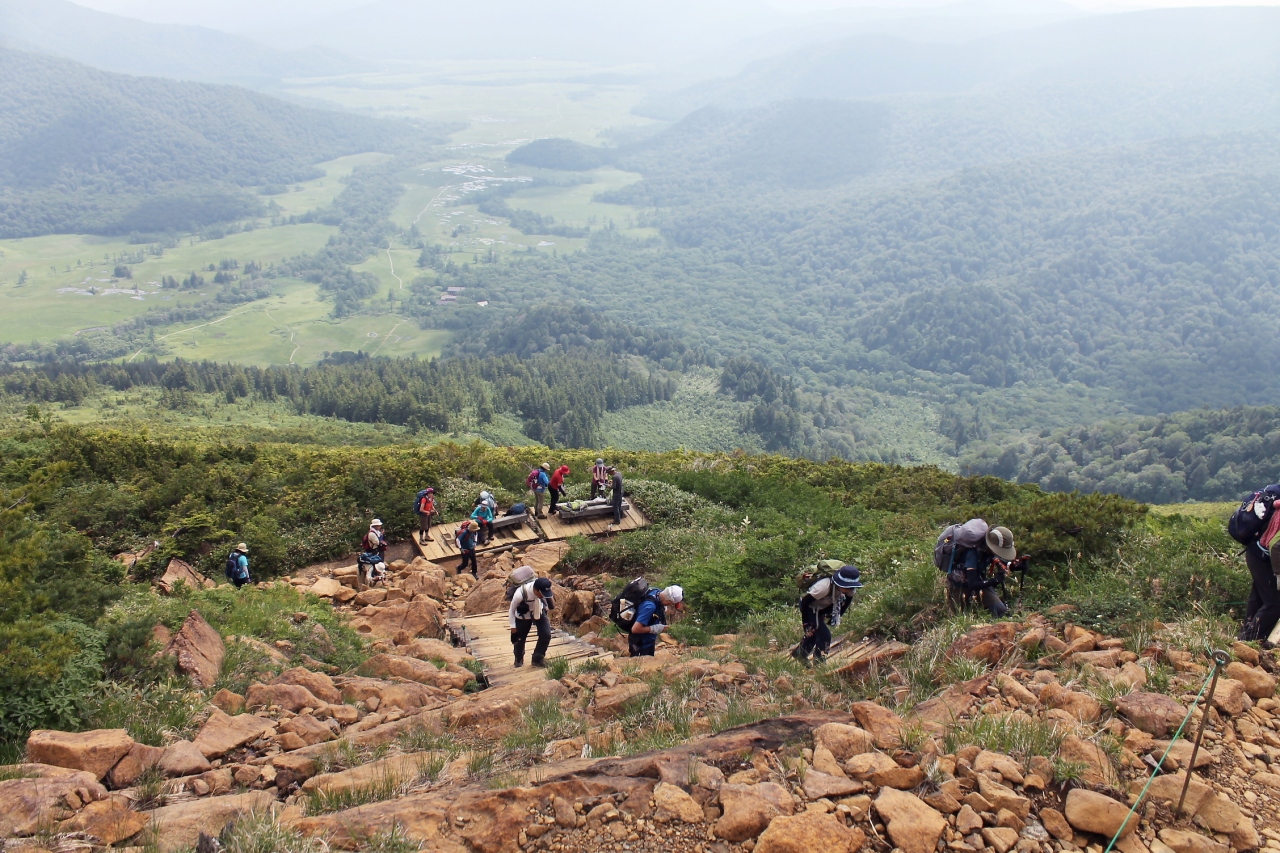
(543, 585)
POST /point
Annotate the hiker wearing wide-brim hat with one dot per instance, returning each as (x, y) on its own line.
(827, 591)
(237, 569)
(467, 538)
(977, 564)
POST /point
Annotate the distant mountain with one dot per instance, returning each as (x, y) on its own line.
(61, 28)
(1185, 49)
(83, 150)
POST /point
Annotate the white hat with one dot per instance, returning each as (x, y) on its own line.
(243, 548)
(675, 593)
(377, 522)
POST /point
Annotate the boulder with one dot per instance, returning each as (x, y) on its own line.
(913, 826)
(577, 607)
(94, 752)
(198, 650)
(1168, 788)
(291, 697)
(1099, 773)
(843, 741)
(220, 733)
(544, 556)
(418, 618)
(1153, 713)
(227, 702)
(884, 726)
(183, 758)
(1082, 706)
(818, 785)
(179, 572)
(432, 649)
(1231, 697)
(433, 583)
(748, 809)
(179, 826)
(326, 587)
(610, 701)
(137, 761)
(317, 684)
(413, 669)
(405, 695)
(672, 804)
(488, 596)
(1185, 841)
(28, 804)
(1089, 811)
(1258, 683)
(308, 729)
(109, 820)
(805, 833)
(1218, 813)
(1013, 690)
(988, 643)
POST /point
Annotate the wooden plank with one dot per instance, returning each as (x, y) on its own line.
(556, 529)
(441, 548)
(488, 638)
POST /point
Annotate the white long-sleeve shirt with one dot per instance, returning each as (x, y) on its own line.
(522, 595)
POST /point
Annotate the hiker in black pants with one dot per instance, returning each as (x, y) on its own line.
(1263, 609)
(530, 606)
(616, 498)
(821, 605)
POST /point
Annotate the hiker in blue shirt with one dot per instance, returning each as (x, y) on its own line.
(539, 480)
(483, 516)
(466, 539)
(237, 569)
(651, 619)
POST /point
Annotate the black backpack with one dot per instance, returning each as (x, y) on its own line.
(1245, 526)
(622, 611)
(232, 567)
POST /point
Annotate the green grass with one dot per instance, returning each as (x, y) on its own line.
(1006, 734)
(151, 713)
(261, 832)
(313, 195)
(1212, 510)
(696, 418)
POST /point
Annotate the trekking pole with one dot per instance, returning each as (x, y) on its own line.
(1220, 659)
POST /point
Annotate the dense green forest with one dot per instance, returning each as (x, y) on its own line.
(1206, 455)
(83, 150)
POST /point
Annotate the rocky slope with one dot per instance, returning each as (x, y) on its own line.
(1033, 736)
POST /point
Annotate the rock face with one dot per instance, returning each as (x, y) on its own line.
(913, 826)
(26, 804)
(1089, 811)
(179, 572)
(418, 618)
(989, 643)
(180, 825)
(809, 832)
(221, 734)
(94, 752)
(198, 650)
(1153, 713)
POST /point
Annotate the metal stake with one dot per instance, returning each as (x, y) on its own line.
(1220, 659)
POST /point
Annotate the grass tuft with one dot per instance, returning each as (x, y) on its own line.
(1005, 733)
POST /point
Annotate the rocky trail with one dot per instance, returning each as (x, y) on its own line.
(1035, 736)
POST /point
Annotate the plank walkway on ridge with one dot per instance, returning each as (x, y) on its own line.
(554, 528)
(440, 547)
(488, 637)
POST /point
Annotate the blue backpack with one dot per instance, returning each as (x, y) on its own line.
(417, 501)
(233, 567)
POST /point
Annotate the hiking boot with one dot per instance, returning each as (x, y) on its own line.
(539, 662)
(800, 656)
(519, 663)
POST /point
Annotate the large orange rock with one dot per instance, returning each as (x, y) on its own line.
(805, 833)
(291, 697)
(412, 669)
(884, 725)
(198, 650)
(989, 643)
(221, 733)
(1089, 811)
(139, 759)
(27, 804)
(1153, 713)
(406, 696)
(94, 752)
(110, 820)
(913, 826)
(179, 572)
(420, 618)
(544, 556)
(317, 684)
(748, 809)
(179, 826)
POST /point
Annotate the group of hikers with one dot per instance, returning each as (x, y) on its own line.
(545, 481)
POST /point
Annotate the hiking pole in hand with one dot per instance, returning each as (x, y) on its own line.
(1220, 659)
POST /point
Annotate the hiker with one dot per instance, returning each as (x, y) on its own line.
(616, 499)
(599, 479)
(375, 541)
(529, 606)
(483, 516)
(651, 620)
(466, 540)
(556, 485)
(1254, 525)
(823, 603)
(488, 500)
(238, 565)
(539, 480)
(978, 563)
(426, 508)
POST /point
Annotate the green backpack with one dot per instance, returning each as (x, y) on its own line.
(810, 575)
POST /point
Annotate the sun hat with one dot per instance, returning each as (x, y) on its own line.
(546, 466)
(473, 525)
(847, 577)
(242, 547)
(377, 522)
(1000, 543)
(676, 595)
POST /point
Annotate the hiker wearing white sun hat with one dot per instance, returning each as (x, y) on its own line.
(651, 619)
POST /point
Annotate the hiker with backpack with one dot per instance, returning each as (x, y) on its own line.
(375, 540)
(599, 479)
(465, 537)
(616, 499)
(538, 481)
(483, 516)
(1255, 526)
(530, 606)
(976, 559)
(237, 568)
(641, 614)
(425, 506)
(827, 591)
(556, 485)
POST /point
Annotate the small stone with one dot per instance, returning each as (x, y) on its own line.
(1056, 823)
(1001, 838)
(1089, 811)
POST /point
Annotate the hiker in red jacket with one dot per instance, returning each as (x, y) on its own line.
(557, 484)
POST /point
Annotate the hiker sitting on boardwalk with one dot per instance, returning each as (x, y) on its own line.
(529, 606)
(483, 516)
(828, 589)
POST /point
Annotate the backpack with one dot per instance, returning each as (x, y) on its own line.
(517, 509)
(233, 566)
(810, 575)
(517, 579)
(622, 610)
(1244, 526)
(417, 502)
(968, 535)
(532, 480)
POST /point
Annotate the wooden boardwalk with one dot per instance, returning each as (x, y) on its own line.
(441, 547)
(488, 637)
(555, 529)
